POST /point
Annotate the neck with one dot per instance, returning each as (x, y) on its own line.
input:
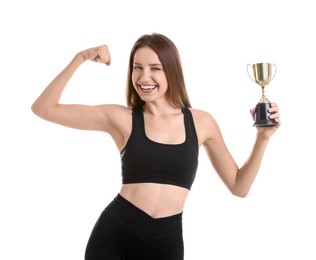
(157, 110)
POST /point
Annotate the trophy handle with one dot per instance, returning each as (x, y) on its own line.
(275, 70)
(249, 65)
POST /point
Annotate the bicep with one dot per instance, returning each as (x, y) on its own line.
(83, 117)
(115, 120)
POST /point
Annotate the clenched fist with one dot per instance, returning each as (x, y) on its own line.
(98, 54)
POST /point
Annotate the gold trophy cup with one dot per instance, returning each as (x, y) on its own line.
(262, 75)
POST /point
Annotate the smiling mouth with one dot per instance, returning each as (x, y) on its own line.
(147, 88)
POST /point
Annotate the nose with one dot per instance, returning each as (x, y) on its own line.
(146, 75)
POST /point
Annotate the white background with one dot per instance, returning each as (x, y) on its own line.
(55, 181)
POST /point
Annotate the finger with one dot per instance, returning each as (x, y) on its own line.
(104, 55)
(107, 56)
(278, 122)
(274, 115)
(274, 108)
(252, 112)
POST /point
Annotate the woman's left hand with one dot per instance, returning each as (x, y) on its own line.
(267, 132)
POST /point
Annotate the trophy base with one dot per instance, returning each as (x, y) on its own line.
(262, 116)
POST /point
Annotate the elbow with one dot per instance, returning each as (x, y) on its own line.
(38, 110)
(35, 109)
(240, 193)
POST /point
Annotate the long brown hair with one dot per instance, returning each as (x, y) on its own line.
(170, 59)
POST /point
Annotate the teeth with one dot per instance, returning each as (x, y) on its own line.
(147, 87)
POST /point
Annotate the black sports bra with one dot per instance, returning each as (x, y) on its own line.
(144, 160)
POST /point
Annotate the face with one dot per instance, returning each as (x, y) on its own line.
(148, 76)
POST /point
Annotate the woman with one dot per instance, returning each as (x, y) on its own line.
(158, 135)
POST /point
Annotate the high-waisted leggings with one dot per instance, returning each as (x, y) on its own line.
(124, 231)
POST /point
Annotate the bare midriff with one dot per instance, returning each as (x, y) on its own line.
(155, 199)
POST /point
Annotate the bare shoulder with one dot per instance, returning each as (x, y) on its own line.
(205, 124)
(202, 117)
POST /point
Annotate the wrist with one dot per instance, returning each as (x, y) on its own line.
(261, 136)
(79, 58)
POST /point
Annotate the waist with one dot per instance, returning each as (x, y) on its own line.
(155, 199)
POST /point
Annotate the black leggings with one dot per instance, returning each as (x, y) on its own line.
(123, 231)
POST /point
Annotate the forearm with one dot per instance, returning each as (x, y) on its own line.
(51, 95)
(248, 172)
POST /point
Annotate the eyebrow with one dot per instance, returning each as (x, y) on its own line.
(152, 64)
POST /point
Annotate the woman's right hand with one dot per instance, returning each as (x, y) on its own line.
(97, 54)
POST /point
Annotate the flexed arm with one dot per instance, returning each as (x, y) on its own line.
(47, 105)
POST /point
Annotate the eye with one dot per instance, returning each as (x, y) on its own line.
(156, 68)
(137, 67)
